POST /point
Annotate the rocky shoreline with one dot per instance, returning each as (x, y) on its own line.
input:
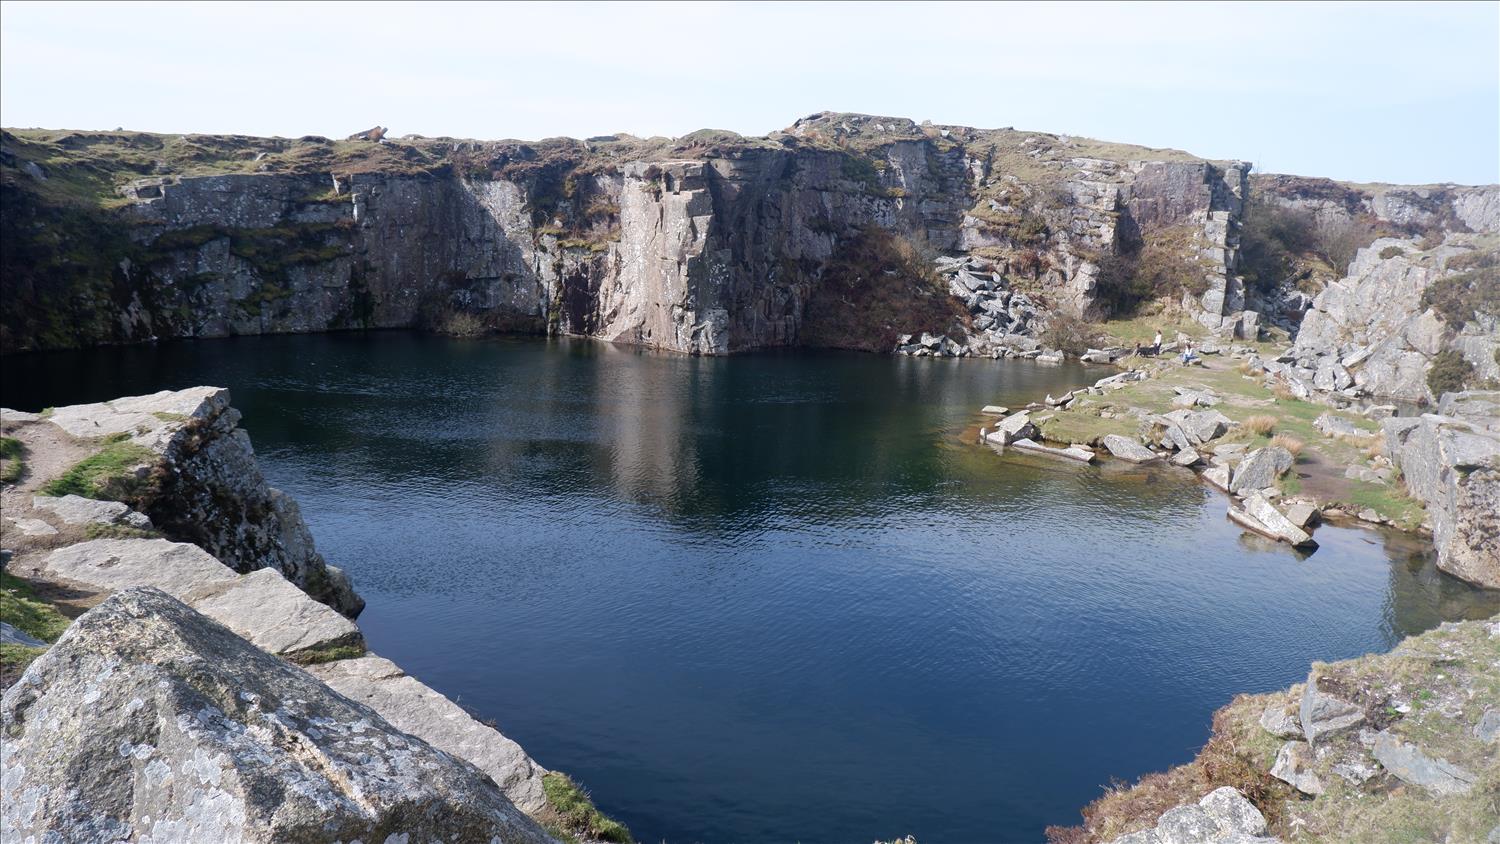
(225, 647)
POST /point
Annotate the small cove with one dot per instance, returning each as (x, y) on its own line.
(778, 596)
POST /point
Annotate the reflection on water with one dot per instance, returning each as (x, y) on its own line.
(779, 596)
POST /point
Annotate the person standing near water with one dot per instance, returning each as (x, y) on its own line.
(1156, 344)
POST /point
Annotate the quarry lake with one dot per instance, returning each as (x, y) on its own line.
(780, 596)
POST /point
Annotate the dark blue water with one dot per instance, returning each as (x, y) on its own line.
(777, 597)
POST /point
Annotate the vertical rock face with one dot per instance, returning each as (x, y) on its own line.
(148, 721)
(203, 486)
(1376, 322)
(706, 248)
(1451, 462)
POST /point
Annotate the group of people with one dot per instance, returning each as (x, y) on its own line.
(1188, 355)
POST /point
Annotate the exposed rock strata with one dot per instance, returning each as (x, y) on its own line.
(203, 485)
(1451, 462)
(700, 247)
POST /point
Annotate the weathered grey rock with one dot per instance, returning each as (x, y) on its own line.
(1218, 476)
(1409, 764)
(261, 606)
(1072, 452)
(1294, 766)
(16, 417)
(1186, 825)
(1267, 514)
(1186, 457)
(189, 733)
(1260, 468)
(994, 410)
(9, 635)
(411, 706)
(1322, 714)
(208, 488)
(76, 510)
(1301, 513)
(1335, 426)
(274, 615)
(1452, 465)
(1013, 427)
(1205, 425)
(1232, 813)
(1145, 836)
(1488, 728)
(176, 568)
(32, 527)
(1126, 448)
(1280, 723)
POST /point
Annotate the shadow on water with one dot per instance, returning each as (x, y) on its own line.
(778, 596)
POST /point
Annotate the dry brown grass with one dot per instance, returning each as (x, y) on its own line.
(1237, 754)
(1288, 442)
(1282, 394)
(1261, 424)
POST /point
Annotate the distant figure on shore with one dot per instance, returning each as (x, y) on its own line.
(1156, 344)
(1187, 352)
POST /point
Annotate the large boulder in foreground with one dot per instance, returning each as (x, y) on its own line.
(205, 487)
(149, 721)
(1451, 462)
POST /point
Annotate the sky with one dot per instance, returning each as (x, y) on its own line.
(1389, 92)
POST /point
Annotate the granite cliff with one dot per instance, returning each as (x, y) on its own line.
(823, 234)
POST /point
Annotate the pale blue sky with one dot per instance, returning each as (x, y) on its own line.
(1366, 92)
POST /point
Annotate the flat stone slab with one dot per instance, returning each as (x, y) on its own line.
(176, 568)
(274, 615)
(9, 635)
(1294, 766)
(77, 510)
(1408, 763)
(32, 527)
(138, 415)
(1322, 714)
(1074, 452)
(410, 705)
(994, 410)
(262, 606)
(1266, 513)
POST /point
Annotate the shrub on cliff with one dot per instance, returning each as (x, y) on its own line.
(1450, 373)
(1271, 239)
(1070, 334)
(1458, 298)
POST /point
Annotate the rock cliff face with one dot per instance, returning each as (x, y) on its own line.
(1376, 331)
(1451, 462)
(196, 478)
(148, 721)
(710, 244)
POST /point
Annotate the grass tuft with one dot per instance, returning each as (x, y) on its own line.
(572, 816)
(1288, 442)
(105, 474)
(1260, 425)
(12, 466)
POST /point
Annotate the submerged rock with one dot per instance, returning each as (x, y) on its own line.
(189, 733)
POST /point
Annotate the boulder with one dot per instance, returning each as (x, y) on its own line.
(1301, 513)
(1294, 766)
(1322, 714)
(1335, 426)
(1408, 763)
(1186, 457)
(1126, 448)
(261, 606)
(1205, 425)
(1280, 723)
(1013, 427)
(413, 707)
(1218, 476)
(1232, 813)
(77, 510)
(1452, 465)
(1260, 468)
(189, 733)
(1266, 513)
(1488, 728)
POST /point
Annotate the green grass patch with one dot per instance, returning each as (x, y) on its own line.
(170, 417)
(1389, 501)
(573, 815)
(21, 608)
(95, 530)
(104, 474)
(11, 464)
(1078, 426)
